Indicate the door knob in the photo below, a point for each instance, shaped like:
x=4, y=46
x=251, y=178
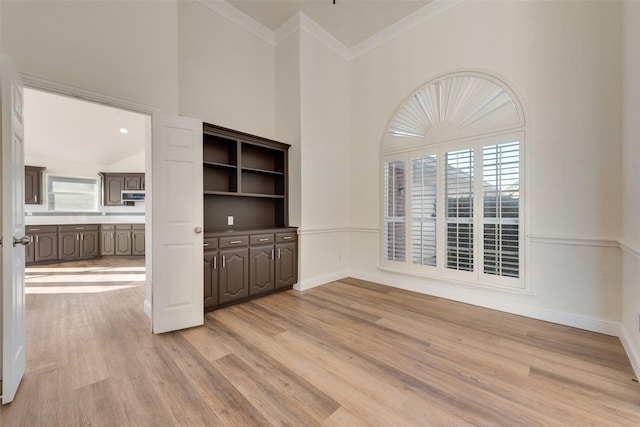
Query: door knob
x=24, y=241
x=198, y=230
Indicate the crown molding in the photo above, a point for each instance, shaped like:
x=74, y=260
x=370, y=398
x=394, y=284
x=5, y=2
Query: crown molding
x=323, y=36
x=300, y=21
x=241, y=19
x=420, y=16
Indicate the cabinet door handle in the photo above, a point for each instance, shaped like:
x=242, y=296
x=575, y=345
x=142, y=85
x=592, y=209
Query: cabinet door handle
x=287, y=238
x=279, y=253
x=77, y=236
x=215, y=262
x=223, y=261
x=81, y=236
x=37, y=238
x=34, y=229
x=35, y=198
x=79, y=228
x=264, y=239
x=235, y=242
x=205, y=244
x=271, y=253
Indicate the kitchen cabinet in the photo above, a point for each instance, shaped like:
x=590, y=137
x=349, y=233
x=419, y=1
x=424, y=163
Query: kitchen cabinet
x=261, y=266
x=33, y=185
x=114, y=183
x=44, y=243
x=78, y=241
x=233, y=278
x=129, y=240
x=138, y=240
x=107, y=240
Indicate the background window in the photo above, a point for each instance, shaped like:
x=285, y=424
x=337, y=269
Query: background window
x=72, y=194
x=459, y=209
x=423, y=210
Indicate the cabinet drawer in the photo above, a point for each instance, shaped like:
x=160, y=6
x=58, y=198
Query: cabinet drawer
x=231, y=242
x=107, y=227
x=210, y=243
x=40, y=229
x=79, y=227
x=137, y=226
x=261, y=239
x=285, y=237
x=123, y=226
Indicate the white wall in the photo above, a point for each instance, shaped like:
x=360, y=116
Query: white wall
x=325, y=185
x=288, y=117
x=631, y=183
x=227, y=75
x=564, y=60
x=122, y=49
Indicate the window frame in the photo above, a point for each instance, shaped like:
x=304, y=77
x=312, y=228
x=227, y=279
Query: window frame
x=48, y=178
x=477, y=277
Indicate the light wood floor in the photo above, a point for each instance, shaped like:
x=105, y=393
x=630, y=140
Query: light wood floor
x=350, y=353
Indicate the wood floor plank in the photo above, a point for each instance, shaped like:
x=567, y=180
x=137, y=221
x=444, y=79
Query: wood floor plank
x=348, y=353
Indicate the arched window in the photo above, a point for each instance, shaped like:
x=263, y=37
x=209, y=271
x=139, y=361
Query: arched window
x=452, y=162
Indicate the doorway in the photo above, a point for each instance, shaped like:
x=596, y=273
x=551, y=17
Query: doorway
x=77, y=152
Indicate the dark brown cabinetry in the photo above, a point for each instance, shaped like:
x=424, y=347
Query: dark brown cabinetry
x=245, y=194
x=114, y=183
x=244, y=265
x=78, y=241
x=44, y=243
x=51, y=243
x=107, y=240
x=33, y=185
x=210, y=273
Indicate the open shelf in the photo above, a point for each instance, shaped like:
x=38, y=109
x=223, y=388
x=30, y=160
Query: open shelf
x=244, y=176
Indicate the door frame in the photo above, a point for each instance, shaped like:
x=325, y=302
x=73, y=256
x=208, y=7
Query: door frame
x=33, y=82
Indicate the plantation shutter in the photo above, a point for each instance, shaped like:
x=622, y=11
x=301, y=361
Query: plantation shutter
x=394, y=212
x=501, y=201
x=423, y=210
x=459, y=209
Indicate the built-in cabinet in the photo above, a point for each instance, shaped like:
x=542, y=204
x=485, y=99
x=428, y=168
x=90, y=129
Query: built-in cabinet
x=44, y=243
x=54, y=243
x=243, y=265
x=249, y=250
x=113, y=184
x=33, y=185
x=78, y=241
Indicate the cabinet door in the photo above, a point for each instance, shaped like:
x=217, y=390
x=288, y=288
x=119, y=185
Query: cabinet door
x=123, y=242
x=69, y=245
x=132, y=182
x=210, y=279
x=33, y=185
x=112, y=187
x=286, y=264
x=137, y=243
x=260, y=269
x=29, y=250
x=107, y=243
x=46, y=247
x=234, y=274
x=89, y=246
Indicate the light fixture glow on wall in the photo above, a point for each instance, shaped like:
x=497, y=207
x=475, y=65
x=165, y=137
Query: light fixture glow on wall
x=123, y=130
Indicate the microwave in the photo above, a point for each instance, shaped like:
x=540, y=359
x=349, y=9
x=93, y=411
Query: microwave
x=132, y=196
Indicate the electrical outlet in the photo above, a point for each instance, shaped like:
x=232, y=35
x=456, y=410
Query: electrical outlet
x=230, y=220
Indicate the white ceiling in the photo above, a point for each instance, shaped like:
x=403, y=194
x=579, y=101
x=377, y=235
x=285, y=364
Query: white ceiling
x=349, y=21
x=62, y=128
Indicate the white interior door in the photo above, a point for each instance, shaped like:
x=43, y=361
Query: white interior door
x=13, y=238
x=177, y=299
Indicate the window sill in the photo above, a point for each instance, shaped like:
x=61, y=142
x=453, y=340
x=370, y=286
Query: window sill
x=436, y=279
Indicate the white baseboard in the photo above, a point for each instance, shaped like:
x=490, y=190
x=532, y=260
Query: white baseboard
x=320, y=280
x=631, y=350
x=467, y=296
x=147, y=308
